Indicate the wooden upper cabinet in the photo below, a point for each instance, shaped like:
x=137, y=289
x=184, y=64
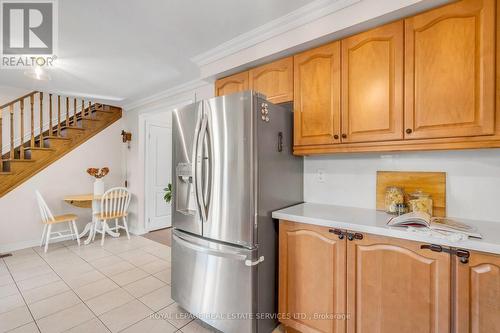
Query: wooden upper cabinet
x=231, y=84
x=394, y=286
x=477, y=294
x=311, y=278
x=317, y=96
x=275, y=80
x=450, y=71
x=372, y=85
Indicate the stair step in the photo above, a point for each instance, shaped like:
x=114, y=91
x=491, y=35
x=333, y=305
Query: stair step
x=16, y=166
x=103, y=114
x=37, y=153
x=5, y=173
x=54, y=142
x=90, y=123
x=72, y=132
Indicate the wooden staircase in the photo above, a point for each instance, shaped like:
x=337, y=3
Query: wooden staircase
x=71, y=122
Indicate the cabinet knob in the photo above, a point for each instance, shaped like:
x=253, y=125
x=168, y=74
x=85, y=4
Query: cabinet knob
x=344, y=136
x=409, y=130
x=336, y=136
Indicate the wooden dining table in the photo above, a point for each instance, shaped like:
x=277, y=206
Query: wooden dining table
x=92, y=201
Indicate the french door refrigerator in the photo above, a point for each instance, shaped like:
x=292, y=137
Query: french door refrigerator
x=232, y=166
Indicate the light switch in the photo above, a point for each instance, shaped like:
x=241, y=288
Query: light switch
x=320, y=175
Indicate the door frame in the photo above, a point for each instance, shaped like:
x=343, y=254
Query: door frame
x=147, y=124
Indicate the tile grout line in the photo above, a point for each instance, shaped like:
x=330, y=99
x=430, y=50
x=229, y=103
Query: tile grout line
x=76, y=295
x=88, y=262
x=24, y=300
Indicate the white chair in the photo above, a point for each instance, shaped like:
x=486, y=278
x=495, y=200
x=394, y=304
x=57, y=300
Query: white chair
x=114, y=206
x=48, y=220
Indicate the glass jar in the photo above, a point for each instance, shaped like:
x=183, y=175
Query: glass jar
x=420, y=201
x=393, y=196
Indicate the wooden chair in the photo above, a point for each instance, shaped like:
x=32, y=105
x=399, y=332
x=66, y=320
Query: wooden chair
x=114, y=206
x=48, y=220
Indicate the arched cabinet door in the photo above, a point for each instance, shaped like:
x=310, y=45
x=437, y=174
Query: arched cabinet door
x=450, y=71
x=231, y=84
x=274, y=80
x=311, y=278
x=394, y=286
x=477, y=294
x=372, y=85
x=317, y=96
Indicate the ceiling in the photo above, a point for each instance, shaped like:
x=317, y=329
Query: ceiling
x=124, y=50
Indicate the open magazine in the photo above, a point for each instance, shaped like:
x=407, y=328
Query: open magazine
x=421, y=219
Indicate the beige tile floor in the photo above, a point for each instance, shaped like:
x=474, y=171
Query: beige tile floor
x=121, y=287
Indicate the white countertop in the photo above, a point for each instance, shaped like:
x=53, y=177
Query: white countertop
x=374, y=222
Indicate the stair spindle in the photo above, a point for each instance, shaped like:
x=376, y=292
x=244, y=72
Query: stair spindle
x=51, y=129
x=58, y=115
x=21, y=148
x=88, y=110
x=32, y=102
x=83, y=109
x=11, y=112
x=74, y=113
x=67, y=112
x=41, y=120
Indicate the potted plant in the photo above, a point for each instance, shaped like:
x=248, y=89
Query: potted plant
x=168, y=193
x=98, y=174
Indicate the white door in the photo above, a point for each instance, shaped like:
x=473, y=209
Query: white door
x=158, y=175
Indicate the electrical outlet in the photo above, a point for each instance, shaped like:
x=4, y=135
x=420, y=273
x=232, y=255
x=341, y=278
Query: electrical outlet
x=320, y=175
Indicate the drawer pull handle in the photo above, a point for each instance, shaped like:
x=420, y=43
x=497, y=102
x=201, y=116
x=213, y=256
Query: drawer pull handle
x=464, y=255
x=337, y=232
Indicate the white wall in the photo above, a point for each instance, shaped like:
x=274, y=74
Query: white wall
x=135, y=117
x=20, y=225
x=473, y=179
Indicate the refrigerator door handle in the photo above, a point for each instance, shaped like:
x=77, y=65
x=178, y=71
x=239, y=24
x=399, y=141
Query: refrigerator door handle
x=254, y=263
x=199, y=168
x=207, y=162
x=213, y=252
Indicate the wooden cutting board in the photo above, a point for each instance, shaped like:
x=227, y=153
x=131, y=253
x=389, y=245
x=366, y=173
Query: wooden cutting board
x=433, y=183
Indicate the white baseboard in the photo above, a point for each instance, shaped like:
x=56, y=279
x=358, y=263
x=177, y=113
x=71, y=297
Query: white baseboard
x=137, y=231
x=11, y=247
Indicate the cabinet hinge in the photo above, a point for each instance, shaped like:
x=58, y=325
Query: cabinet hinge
x=461, y=253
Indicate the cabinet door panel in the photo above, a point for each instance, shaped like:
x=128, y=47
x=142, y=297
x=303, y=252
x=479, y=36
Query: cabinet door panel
x=317, y=96
x=450, y=71
x=231, y=84
x=275, y=80
x=311, y=277
x=393, y=286
x=372, y=85
x=477, y=294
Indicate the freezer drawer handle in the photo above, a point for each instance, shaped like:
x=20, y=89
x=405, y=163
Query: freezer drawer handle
x=251, y=263
x=213, y=252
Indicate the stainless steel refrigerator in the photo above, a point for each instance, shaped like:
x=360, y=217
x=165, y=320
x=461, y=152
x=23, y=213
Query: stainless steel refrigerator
x=232, y=166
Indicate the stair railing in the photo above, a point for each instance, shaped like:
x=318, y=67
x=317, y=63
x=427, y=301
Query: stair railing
x=13, y=114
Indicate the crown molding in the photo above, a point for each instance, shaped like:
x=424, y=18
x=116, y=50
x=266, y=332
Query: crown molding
x=299, y=17
x=166, y=94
